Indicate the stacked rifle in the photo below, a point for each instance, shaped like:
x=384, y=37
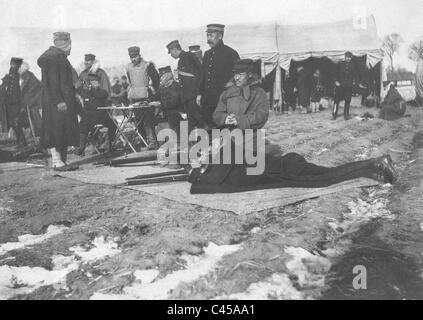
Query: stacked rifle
x=146, y=158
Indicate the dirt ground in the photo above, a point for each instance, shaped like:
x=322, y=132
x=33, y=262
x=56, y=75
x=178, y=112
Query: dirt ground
x=118, y=243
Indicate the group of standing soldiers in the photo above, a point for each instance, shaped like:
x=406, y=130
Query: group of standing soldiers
x=65, y=94
x=310, y=89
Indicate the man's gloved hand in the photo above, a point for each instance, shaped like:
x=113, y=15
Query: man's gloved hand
x=62, y=107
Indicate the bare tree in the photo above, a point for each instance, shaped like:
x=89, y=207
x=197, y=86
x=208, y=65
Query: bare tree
x=415, y=51
x=391, y=44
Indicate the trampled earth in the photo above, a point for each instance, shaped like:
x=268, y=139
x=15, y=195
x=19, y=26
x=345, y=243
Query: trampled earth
x=62, y=239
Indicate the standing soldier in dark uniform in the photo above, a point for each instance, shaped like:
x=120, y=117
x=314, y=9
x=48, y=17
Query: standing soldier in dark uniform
x=345, y=77
x=218, y=64
x=189, y=73
x=140, y=73
x=59, y=118
x=11, y=93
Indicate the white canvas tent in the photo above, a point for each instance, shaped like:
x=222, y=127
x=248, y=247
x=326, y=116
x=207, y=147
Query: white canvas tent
x=276, y=44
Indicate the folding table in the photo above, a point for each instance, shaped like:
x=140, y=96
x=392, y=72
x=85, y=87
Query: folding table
x=128, y=115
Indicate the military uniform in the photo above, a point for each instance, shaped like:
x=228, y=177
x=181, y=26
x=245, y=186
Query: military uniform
x=171, y=100
x=218, y=63
x=189, y=72
x=139, y=77
x=94, y=99
x=346, y=75
x=15, y=114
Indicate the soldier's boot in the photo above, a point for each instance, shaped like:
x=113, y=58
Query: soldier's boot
x=64, y=154
x=347, y=112
x=151, y=138
x=80, y=151
x=335, y=111
x=56, y=161
x=385, y=170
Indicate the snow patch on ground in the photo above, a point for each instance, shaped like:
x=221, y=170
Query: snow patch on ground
x=306, y=270
x=361, y=211
x=146, y=276
x=24, y=280
x=30, y=240
x=101, y=248
x=278, y=287
x=309, y=269
x=160, y=289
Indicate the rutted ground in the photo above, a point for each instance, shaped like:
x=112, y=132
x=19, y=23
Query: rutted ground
x=118, y=243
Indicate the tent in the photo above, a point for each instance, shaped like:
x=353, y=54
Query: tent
x=277, y=45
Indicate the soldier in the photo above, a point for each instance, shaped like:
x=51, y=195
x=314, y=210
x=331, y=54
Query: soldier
x=94, y=97
x=117, y=92
x=140, y=73
x=189, y=73
x=11, y=96
x=196, y=49
x=246, y=106
x=243, y=105
x=346, y=76
x=171, y=101
x=125, y=87
x=218, y=63
x=92, y=65
x=59, y=118
x=31, y=89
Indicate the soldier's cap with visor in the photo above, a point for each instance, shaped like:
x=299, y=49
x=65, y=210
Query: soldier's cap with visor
x=89, y=57
x=194, y=48
x=93, y=77
x=16, y=60
x=215, y=27
x=133, y=51
x=348, y=54
x=172, y=45
x=243, y=65
x=164, y=70
x=61, y=36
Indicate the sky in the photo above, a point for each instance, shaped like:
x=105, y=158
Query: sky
x=404, y=17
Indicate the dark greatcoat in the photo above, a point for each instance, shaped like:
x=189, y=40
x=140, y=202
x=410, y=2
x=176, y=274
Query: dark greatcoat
x=11, y=98
x=31, y=89
x=218, y=63
x=59, y=130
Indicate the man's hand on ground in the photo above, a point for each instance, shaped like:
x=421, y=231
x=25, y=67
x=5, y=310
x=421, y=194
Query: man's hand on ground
x=337, y=83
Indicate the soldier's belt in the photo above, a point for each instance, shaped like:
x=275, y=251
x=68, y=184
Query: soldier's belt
x=186, y=74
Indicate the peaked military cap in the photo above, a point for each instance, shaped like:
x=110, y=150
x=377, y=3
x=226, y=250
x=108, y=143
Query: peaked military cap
x=133, y=51
x=61, y=36
x=243, y=65
x=172, y=45
x=16, y=60
x=215, y=27
x=89, y=57
x=348, y=54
